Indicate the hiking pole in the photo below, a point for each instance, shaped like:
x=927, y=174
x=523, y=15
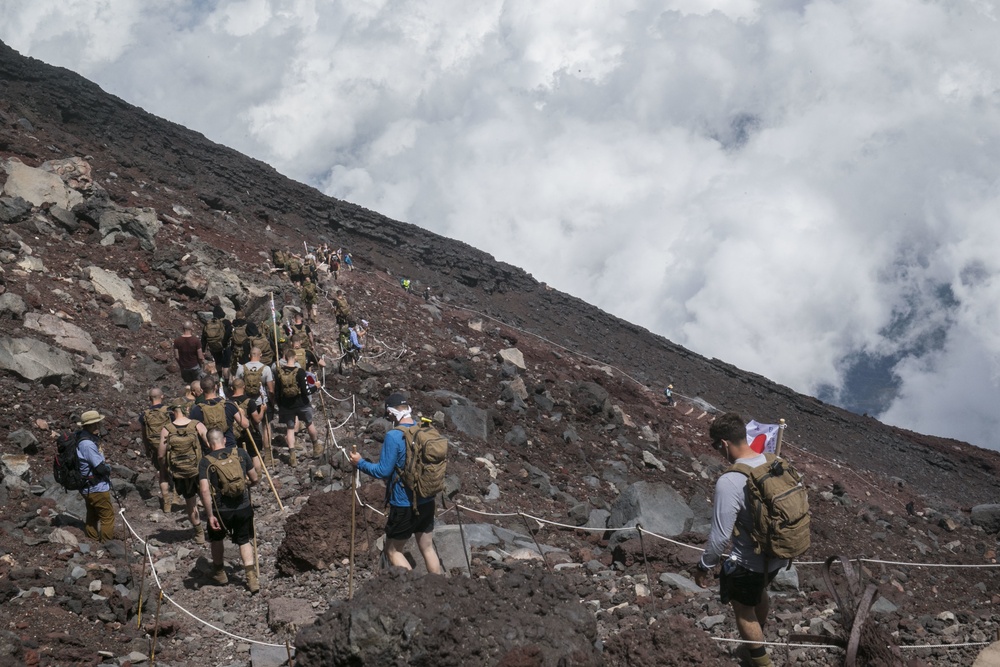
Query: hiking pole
x=142, y=582
x=354, y=506
x=264, y=466
x=156, y=630
x=461, y=531
x=781, y=430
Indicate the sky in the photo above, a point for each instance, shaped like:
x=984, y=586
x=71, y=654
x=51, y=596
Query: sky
x=805, y=189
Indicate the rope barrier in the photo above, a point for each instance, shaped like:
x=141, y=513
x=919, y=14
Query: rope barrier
x=168, y=598
x=733, y=640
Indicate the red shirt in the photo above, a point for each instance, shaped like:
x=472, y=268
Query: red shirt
x=187, y=348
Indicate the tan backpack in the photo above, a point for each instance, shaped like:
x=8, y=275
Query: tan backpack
x=183, y=450
x=779, y=507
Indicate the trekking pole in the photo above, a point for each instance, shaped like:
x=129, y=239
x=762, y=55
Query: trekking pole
x=461, y=531
x=264, y=466
x=142, y=582
x=288, y=650
x=156, y=630
x=354, y=506
x=781, y=430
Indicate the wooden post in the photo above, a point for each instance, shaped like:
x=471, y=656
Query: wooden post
x=781, y=431
x=156, y=630
x=354, y=505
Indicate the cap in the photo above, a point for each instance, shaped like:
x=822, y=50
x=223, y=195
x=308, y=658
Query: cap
x=364, y=323
x=395, y=400
x=91, y=417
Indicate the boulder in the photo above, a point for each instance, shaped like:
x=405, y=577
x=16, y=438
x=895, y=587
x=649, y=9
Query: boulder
x=65, y=219
x=74, y=172
x=108, y=282
x=472, y=421
x=34, y=360
x=657, y=506
x=514, y=390
x=289, y=614
x=123, y=317
x=141, y=223
x=66, y=335
x=523, y=616
x=591, y=398
x=38, y=186
x=31, y=263
x=516, y=436
x=987, y=517
x=13, y=209
x=450, y=548
x=512, y=355
x=24, y=440
x=12, y=305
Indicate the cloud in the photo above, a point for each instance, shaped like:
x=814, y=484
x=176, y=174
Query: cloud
x=787, y=186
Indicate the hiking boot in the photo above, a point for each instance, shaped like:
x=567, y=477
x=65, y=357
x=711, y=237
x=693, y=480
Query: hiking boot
x=219, y=574
x=253, y=584
x=199, y=533
x=742, y=654
x=318, y=449
x=292, y=460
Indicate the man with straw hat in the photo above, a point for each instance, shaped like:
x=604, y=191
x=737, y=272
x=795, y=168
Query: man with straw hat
x=100, y=521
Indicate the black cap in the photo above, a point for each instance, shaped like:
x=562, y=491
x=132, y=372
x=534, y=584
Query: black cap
x=395, y=400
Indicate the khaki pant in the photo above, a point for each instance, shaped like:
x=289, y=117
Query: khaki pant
x=100, y=516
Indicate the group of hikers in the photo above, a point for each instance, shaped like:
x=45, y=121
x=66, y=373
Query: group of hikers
x=211, y=443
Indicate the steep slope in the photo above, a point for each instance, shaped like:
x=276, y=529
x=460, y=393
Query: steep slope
x=582, y=433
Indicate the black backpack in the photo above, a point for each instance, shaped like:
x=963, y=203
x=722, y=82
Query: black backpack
x=66, y=464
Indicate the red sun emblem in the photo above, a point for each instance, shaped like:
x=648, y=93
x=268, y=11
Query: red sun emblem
x=758, y=443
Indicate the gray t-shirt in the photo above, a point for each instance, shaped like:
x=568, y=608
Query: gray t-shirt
x=730, y=503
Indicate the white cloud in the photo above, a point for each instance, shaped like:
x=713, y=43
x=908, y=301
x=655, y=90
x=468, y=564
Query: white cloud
x=781, y=185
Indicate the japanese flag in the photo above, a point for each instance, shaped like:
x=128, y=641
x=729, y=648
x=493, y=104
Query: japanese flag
x=762, y=437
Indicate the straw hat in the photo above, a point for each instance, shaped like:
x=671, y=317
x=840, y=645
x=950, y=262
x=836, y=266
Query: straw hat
x=91, y=417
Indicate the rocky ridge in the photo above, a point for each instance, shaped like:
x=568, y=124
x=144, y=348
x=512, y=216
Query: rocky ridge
x=116, y=226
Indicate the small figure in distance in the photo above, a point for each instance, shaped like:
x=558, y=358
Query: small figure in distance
x=669, y=393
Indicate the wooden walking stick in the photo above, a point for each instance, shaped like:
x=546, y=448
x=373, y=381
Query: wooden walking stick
x=156, y=630
x=264, y=466
x=142, y=581
x=354, y=505
x=781, y=430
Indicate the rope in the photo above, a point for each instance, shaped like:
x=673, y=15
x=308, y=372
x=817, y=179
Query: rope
x=169, y=599
x=794, y=645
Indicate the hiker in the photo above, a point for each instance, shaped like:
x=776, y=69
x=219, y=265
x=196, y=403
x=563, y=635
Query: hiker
x=669, y=393
x=254, y=409
x=404, y=521
x=355, y=342
x=405, y=284
x=292, y=395
x=308, y=298
x=100, y=521
x=179, y=454
x=427, y=294
x=216, y=336
x=188, y=354
x=295, y=270
x=236, y=341
x=302, y=329
x=255, y=339
x=151, y=421
x=342, y=307
x=306, y=359
x=335, y=266
x=743, y=582
x=258, y=378
x=225, y=476
x=348, y=262
x=216, y=412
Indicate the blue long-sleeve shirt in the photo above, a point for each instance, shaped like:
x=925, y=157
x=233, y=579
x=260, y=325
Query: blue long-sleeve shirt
x=393, y=455
x=91, y=457
x=355, y=341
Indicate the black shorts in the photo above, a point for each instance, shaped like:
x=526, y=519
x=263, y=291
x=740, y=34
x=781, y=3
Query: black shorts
x=404, y=522
x=191, y=374
x=742, y=585
x=238, y=525
x=186, y=488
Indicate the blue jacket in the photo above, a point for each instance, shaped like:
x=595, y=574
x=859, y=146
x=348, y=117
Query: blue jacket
x=90, y=458
x=393, y=455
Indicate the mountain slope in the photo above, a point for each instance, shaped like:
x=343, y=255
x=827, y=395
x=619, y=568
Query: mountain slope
x=221, y=210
